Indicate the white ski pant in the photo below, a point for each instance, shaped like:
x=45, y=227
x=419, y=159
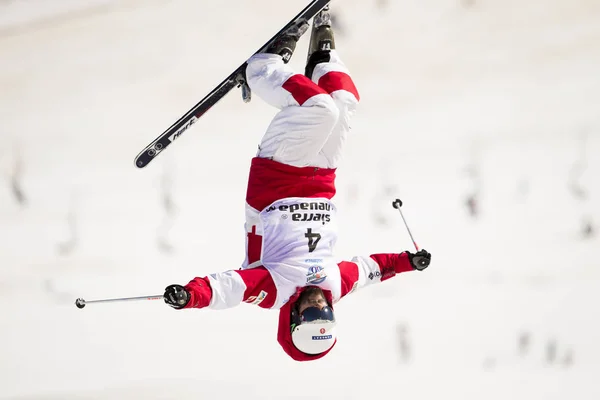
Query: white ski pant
x=314, y=118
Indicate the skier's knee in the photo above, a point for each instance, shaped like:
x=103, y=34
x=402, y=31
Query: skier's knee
x=327, y=110
x=346, y=99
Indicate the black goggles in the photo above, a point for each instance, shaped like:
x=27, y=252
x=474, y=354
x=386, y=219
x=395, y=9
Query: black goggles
x=315, y=313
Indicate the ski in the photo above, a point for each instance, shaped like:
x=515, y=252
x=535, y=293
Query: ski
x=235, y=79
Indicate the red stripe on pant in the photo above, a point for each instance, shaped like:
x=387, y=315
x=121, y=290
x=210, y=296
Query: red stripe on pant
x=334, y=80
x=302, y=88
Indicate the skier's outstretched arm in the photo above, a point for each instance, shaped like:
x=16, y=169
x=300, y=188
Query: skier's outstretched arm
x=224, y=290
x=366, y=270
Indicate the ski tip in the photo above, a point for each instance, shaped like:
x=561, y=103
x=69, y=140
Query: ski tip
x=139, y=163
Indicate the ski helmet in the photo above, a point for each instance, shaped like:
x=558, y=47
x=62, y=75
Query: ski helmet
x=313, y=330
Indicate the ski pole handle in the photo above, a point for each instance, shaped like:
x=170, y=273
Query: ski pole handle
x=80, y=303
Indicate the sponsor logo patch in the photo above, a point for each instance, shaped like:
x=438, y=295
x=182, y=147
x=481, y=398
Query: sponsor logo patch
x=374, y=275
x=322, y=337
x=257, y=299
x=316, y=274
x=305, y=211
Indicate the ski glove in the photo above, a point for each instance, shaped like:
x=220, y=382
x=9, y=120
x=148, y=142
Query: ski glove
x=420, y=260
x=176, y=296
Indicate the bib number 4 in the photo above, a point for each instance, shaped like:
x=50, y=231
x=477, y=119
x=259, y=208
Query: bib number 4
x=313, y=239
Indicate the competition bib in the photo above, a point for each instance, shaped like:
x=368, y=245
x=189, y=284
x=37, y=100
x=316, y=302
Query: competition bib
x=299, y=236
x=298, y=229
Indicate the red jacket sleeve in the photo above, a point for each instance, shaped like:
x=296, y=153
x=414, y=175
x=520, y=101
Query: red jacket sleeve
x=364, y=271
x=230, y=288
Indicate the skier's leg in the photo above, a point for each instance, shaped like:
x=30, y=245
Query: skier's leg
x=295, y=137
x=308, y=114
x=325, y=68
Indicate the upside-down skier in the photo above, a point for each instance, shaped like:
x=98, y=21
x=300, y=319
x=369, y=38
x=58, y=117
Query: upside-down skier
x=290, y=219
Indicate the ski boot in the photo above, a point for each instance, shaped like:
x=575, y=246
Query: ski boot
x=284, y=46
x=321, y=41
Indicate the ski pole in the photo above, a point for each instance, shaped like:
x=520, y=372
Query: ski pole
x=80, y=303
x=397, y=204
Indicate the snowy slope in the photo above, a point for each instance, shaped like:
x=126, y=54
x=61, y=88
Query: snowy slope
x=500, y=98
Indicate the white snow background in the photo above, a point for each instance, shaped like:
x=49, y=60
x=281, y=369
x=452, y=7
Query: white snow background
x=496, y=98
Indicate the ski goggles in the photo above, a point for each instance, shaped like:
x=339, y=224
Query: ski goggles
x=315, y=313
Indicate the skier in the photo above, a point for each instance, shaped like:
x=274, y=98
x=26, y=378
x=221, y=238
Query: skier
x=290, y=219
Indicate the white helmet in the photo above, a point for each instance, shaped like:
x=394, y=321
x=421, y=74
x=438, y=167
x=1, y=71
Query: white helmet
x=314, y=330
